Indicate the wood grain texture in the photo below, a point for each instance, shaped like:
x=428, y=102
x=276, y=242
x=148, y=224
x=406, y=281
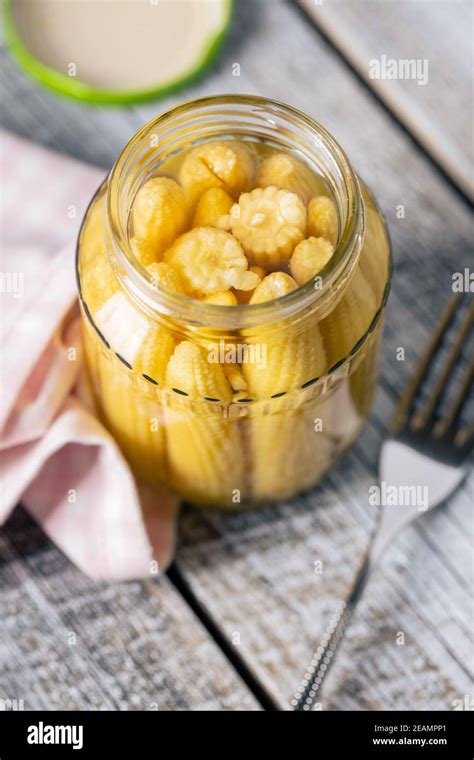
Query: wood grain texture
x=255, y=573
x=438, y=113
x=68, y=643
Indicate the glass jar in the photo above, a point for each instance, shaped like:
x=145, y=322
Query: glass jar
x=315, y=349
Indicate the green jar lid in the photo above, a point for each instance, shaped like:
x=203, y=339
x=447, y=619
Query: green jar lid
x=115, y=51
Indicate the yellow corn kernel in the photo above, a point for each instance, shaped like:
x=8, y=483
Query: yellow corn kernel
x=213, y=209
x=210, y=260
x=226, y=165
x=165, y=276
x=310, y=257
x=289, y=173
x=204, y=450
x=274, y=285
x=268, y=223
x=222, y=298
x=322, y=219
x=159, y=213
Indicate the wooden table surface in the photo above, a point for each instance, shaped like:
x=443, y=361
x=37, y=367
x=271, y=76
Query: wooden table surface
x=233, y=624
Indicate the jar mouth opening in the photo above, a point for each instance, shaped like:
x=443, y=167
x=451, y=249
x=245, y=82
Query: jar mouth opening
x=230, y=117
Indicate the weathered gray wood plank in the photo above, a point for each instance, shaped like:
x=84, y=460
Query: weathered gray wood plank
x=438, y=35
x=255, y=572
x=67, y=643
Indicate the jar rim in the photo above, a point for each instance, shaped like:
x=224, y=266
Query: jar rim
x=138, y=281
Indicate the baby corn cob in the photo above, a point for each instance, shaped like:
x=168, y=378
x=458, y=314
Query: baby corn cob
x=226, y=165
x=154, y=353
x=135, y=420
x=233, y=373
x=213, y=209
x=98, y=280
x=310, y=257
x=204, y=450
x=268, y=223
x=166, y=277
x=287, y=450
x=273, y=286
x=288, y=363
x=350, y=320
x=159, y=215
x=286, y=453
x=244, y=296
x=288, y=173
x=210, y=260
x=145, y=253
x=322, y=219
x=222, y=298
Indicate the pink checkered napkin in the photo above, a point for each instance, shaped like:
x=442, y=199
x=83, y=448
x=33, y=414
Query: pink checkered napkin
x=54, y=454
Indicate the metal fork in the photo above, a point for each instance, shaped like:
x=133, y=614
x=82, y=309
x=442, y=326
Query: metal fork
x=422, y=450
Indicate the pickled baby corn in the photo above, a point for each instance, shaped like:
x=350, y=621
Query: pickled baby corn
x=310, y=257
x=260, y=228
x=165, y=276
x=234, y=375
x=322, y=219
x=273, y=286
x=222, y=298
x=210, y=260
x=159, y=215
x=284, y=447
x=98, y=280
x=289, y=363
x=204, y=450
x=283, y=450
x=287, y=452
x=350, y=320
x=244, y=296
x=289, y=173
x=135, y=420
x=225, y=165
x=213, y=209
x=268, y=223
x=145, y=253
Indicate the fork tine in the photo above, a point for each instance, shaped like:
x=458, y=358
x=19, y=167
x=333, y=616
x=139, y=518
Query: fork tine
x=406, y=402
x=425, y=415
x=457, y=404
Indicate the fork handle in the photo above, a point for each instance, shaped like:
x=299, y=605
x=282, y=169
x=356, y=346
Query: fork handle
x=323, y=658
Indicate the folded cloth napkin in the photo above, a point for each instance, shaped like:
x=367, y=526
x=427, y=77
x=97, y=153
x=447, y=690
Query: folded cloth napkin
x=55, y=455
